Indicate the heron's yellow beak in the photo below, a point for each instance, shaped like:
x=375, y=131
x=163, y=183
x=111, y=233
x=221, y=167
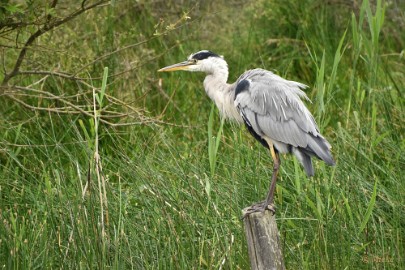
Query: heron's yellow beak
x=179, y=66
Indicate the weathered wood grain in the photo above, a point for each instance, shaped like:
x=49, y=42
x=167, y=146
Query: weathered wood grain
x=263, y=241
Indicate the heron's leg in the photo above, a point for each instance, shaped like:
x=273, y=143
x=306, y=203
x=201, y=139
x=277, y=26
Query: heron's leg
x=276, y=166
x=268, y=203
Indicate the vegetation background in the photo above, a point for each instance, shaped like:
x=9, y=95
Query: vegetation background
x=105, y=163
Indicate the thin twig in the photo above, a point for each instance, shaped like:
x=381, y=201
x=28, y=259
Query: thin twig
x=41, y=145
x=57, y=74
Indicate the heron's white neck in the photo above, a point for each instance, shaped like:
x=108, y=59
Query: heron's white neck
x=217, y=88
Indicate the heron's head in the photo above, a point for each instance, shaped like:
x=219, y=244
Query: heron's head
x=205, y=61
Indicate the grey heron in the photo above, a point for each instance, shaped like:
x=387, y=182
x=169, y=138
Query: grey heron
x=270, y=107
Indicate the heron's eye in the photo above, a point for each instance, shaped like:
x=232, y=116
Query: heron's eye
x=194, y=61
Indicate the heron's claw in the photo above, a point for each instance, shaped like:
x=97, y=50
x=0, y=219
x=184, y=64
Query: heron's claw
x=259, y=207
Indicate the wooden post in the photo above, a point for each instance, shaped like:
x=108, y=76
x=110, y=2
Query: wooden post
x=263, y=241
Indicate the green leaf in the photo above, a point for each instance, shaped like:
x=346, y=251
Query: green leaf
x=370, y=208
x=100, y=96
x=213, y=141
x=13, y=8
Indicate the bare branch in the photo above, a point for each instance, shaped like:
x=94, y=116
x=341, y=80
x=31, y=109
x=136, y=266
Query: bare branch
x=113, y=52
x=51, y=73
x=49, y=25
x=143, y=120
x=71, y=108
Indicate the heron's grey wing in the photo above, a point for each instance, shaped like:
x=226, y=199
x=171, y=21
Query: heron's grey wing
x=272, y=106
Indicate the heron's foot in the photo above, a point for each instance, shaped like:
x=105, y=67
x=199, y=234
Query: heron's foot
x=260, y=207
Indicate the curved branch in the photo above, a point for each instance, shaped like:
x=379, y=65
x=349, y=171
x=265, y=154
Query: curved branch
x=49, y=25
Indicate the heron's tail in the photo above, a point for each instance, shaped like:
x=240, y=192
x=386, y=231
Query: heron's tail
x=318, y=147
x=305, y=160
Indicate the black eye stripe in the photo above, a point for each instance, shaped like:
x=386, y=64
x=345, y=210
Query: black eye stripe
x=204, y=55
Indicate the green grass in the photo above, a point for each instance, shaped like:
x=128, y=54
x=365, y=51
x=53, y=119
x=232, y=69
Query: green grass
x=175, y=183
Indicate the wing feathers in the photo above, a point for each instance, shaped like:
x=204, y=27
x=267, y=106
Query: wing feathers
x=273, y=108
x=321, y=148
x=284, y=131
